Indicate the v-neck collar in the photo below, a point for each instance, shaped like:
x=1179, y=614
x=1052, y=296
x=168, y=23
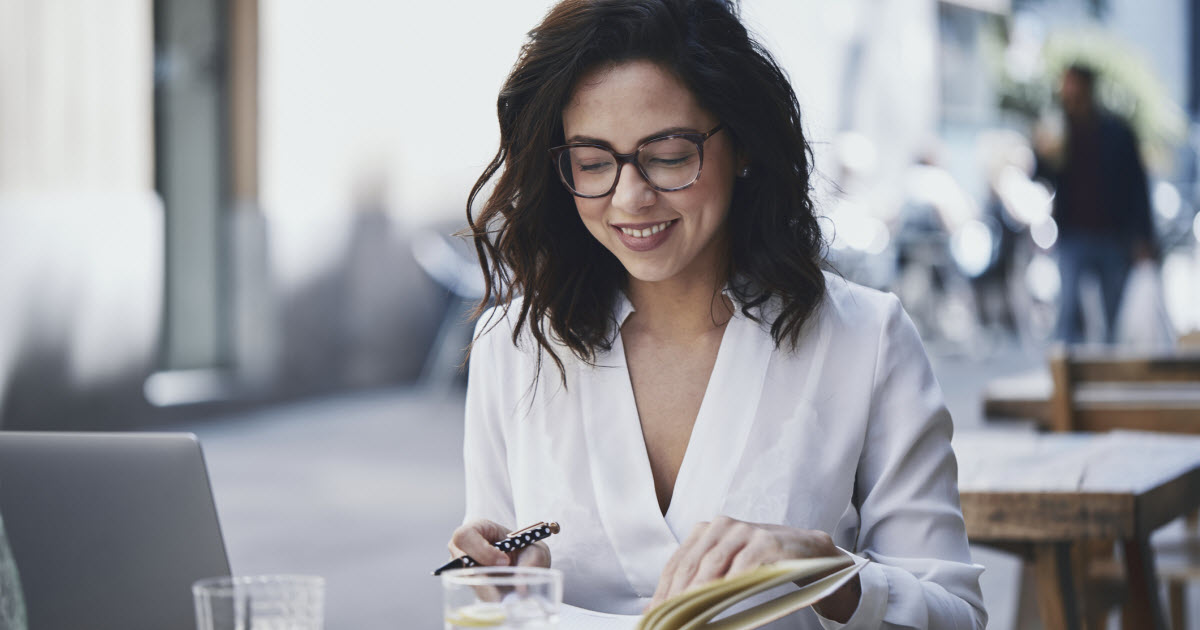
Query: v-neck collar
x=642, y=536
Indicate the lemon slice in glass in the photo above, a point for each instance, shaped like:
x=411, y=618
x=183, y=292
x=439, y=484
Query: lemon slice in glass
x=477, y=616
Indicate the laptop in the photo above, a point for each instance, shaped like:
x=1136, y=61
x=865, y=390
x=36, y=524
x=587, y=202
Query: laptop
x=109, y=530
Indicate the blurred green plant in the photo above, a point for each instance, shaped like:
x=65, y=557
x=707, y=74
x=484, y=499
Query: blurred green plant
x=1126, y=85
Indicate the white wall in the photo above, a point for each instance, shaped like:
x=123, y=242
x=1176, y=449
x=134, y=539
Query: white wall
x=76, y=99
x=361, y=91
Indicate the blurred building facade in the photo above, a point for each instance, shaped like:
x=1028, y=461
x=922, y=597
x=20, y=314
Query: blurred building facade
x=225, y=200
x=81, y=272
x=137, y=275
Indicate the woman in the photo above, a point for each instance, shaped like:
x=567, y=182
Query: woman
x=712, y=400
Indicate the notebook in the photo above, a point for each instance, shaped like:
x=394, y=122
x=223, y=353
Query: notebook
x=700, y=608
x=109, y=530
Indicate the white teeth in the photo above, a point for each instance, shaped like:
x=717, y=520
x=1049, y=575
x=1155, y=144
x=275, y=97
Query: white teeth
x=654, y=229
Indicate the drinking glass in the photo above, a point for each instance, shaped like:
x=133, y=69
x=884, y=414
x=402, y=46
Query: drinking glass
x=502, y=598
x=260, y=602
x=12, y=605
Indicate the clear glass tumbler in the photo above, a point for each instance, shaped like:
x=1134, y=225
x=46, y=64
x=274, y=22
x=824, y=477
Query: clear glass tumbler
x=12, y=605
x=503, y=598
x=260, y=602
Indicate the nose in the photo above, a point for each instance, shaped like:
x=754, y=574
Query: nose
x=633, y=193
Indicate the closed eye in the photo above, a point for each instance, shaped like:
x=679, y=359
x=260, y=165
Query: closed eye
x=594, y=167
x=670, y=161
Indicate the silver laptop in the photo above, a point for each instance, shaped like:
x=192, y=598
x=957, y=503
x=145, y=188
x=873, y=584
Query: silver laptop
x=109, y=530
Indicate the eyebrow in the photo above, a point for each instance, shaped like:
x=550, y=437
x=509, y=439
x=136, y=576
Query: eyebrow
x=578, y=139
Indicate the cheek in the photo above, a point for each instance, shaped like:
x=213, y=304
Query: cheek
x=717, y=180
x=591, y=213
x=715, y=199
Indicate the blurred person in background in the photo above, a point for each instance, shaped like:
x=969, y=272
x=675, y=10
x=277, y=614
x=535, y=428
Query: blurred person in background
x=651, y=208
x=1101, y=202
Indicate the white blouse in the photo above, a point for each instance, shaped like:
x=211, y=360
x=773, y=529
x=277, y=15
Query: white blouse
x=847, y=434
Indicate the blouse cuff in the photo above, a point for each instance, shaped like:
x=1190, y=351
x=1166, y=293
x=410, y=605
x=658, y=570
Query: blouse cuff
x=872, y=603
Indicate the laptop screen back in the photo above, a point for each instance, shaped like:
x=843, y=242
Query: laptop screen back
x=109, y=530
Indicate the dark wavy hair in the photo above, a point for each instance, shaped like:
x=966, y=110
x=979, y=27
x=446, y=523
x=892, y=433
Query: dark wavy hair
x=528, y=235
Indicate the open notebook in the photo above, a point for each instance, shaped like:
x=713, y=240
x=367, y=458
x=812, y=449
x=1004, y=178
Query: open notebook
x=697, y=608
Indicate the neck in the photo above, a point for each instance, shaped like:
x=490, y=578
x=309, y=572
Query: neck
x=680, y=307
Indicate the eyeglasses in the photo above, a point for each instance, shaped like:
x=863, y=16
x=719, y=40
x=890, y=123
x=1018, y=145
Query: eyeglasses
x=668, y=163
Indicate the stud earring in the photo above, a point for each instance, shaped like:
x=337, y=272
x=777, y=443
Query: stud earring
x=745, y=172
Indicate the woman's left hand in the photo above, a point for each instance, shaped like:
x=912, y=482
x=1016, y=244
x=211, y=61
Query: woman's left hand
x=728, y=546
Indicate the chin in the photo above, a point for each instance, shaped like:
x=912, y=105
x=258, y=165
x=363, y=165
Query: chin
x=647, y=273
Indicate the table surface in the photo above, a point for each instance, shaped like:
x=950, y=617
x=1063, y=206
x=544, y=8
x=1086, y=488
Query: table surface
x=1035, y=487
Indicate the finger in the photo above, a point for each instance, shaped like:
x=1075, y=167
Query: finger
x=712, y=553
x=535, y=555
x=691, y=555
x=716, y=562
x=475, y=539
x=760, y=549
x=490, y=531
x=668, y=572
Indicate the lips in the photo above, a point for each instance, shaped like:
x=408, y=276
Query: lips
x=642, y=237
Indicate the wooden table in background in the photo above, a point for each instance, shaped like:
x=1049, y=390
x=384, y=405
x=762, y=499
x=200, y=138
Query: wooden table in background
x=1045, y=494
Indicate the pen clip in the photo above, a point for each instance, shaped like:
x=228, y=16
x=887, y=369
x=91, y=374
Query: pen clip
x=536, y=526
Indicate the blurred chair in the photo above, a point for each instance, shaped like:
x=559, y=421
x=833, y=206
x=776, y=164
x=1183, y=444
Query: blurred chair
x=451, y=263
x=1101, y=390
x=1105, y=390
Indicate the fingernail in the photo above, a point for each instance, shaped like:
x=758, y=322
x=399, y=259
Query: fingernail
x=503, y=561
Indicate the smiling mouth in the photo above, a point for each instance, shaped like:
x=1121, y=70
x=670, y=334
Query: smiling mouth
x=648, y=231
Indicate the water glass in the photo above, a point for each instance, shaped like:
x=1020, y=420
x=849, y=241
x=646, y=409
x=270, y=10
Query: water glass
x=502, y=598
x=260, y=602
x=12, y=605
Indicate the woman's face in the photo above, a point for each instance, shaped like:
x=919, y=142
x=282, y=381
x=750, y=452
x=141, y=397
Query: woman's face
x=623, y=106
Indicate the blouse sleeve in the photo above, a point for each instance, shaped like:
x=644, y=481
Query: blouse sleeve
x=488, y=490
x=906, y=492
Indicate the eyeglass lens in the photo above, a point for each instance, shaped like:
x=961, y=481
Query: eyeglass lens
x=667, y=163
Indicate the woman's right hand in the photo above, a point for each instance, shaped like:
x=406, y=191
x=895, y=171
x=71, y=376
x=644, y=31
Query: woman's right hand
x=475, y=539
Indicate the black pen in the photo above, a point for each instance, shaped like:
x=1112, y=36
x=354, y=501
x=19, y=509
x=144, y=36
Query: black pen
x=516, y=540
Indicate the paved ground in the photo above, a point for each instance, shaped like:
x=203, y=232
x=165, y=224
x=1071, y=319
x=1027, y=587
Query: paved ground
x=364, y=488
